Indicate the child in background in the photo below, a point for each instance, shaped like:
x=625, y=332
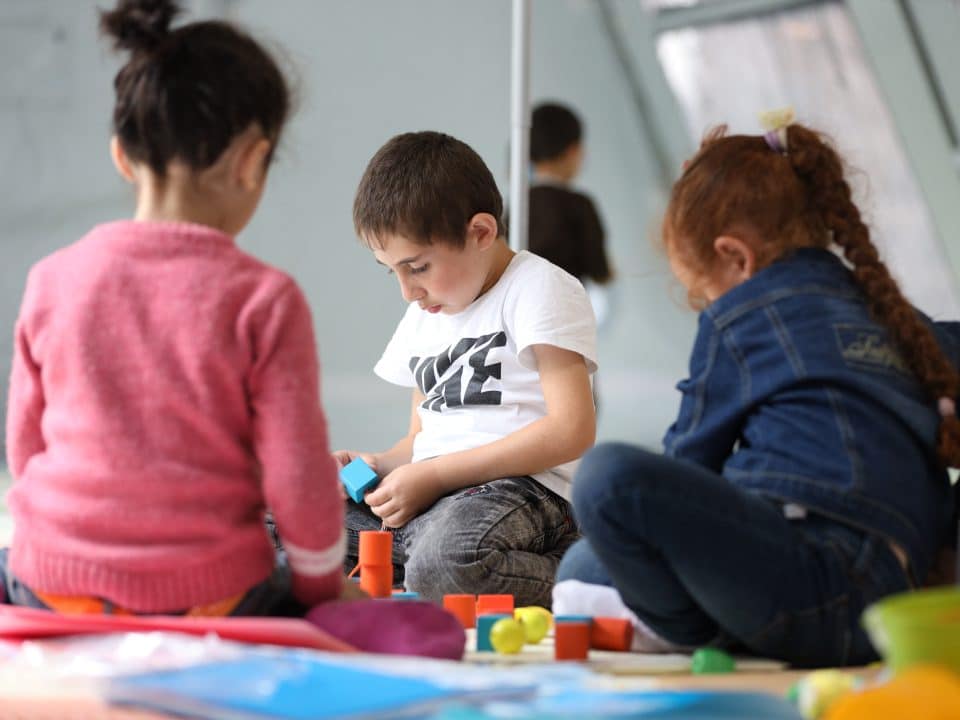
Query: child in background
x=164, y=389
x=498, y=347
x=564, y=226
x=804, y=477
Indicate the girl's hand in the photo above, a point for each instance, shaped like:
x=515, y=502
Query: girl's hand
x=404, y=493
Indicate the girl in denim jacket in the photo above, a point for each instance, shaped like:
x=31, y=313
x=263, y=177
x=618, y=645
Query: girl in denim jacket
x=804, y=477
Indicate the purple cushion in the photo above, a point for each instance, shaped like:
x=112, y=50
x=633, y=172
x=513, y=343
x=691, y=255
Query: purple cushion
x=392, y=627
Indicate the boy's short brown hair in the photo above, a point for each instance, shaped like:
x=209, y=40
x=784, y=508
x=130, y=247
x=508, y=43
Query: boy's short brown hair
x=425, y=186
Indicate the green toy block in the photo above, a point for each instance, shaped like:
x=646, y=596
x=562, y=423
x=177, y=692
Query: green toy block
x=710, y=660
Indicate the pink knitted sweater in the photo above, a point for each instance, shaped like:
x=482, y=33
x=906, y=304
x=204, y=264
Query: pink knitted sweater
x=164, y=391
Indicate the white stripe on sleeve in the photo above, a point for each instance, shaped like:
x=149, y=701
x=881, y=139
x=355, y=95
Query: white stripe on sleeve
x=313, y=563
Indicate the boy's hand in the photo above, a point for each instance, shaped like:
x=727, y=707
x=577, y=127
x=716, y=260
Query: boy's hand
x=345, y=457
x=404, y=494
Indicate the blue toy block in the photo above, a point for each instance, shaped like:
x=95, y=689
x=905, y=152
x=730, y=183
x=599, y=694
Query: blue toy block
x=358, y=477
x=588, y=619
x=484, y=623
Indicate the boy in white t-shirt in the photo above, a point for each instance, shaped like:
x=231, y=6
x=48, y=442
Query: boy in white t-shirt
x=498, y=347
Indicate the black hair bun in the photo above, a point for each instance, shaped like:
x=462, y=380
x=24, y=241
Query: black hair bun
x=138, y=25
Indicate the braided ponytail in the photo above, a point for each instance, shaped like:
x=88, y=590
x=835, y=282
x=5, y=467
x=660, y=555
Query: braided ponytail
x=819, y=166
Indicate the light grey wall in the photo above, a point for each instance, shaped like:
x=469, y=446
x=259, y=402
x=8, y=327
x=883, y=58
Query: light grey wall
x=367, y=69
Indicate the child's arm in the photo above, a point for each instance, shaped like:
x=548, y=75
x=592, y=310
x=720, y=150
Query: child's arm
x=715, y=401
x=563, y=434
x=299, y=475
x=24, y=406
x=26, y=401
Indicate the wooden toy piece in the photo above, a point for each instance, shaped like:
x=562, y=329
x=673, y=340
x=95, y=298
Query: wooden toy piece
x=819, y=690
x=376, y=562
x=536, y=622
x=484, y=624
x=404, y=595
x=557, y=619
x=571, y=640
x=707, y=660
x=611, y=634
x=507, y=636
x=358, y=477
x=464, y=607
x=494, y=604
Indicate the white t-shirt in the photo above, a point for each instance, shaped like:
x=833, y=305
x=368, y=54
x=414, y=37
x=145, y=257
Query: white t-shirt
x=477, y=368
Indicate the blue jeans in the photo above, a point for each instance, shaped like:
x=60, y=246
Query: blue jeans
x=505, y=536
x=703, y=561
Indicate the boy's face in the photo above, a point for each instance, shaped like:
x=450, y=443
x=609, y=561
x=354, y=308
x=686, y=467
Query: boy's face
x=440, y=277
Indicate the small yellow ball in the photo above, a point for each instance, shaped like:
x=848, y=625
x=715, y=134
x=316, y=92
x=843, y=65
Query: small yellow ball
x=536, y=622
x=820, y=689
x=507, y=636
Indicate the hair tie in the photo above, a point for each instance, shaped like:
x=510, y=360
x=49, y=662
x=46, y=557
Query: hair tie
x=775, y=122
x=947, y=407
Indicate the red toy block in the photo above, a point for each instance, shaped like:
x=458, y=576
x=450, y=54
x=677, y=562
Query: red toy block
x=571, y=641
x=490, y=604
x=464, y=607
x=376, y=562
x=611, y=634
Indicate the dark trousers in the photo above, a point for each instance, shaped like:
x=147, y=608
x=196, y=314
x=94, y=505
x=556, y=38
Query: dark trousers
x=703, y=561
x=503, y=537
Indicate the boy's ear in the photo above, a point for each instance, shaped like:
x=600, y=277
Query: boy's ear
x=483, y=227
x=737, y=257
x=120, y=160
x=251, y=164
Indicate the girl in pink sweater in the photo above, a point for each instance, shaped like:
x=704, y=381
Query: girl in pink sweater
x=165, y=385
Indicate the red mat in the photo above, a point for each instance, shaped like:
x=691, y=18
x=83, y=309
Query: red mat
x=23, y=623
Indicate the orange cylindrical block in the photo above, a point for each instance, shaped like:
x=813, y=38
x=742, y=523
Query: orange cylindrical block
x=377, y=580
x=464, y=607
x=491, y=604
x=376, y=547
x=571, y=641
x=376, y=562
x=611, y=634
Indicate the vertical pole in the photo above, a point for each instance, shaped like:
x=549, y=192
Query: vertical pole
x=519, y=123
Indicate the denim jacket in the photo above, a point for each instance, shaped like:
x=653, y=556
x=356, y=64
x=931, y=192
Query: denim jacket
x=796, y=393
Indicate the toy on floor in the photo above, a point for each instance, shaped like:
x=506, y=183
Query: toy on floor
x=706, y=661
x=931, y=692
x=376, y=563
x=611, y=634
x=494, y=604
x=507, y=636
x=358, y=478
x=464, y=607
x=571, y=640
x=816, y=692
x=536, y=622
x=485, y=624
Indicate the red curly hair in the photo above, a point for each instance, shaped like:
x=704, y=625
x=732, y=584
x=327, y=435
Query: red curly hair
x=777, y=202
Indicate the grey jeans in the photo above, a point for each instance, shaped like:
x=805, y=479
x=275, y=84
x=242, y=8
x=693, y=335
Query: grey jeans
x=505, y=536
